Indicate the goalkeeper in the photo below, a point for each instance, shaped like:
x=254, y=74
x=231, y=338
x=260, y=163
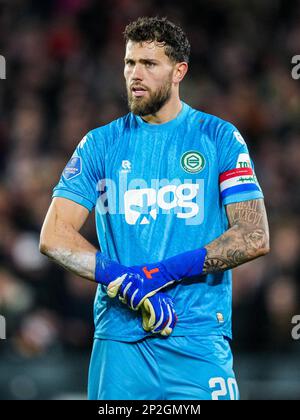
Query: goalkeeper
x=177, y=206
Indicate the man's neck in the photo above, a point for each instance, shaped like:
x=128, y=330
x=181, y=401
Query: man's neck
x=167, y=113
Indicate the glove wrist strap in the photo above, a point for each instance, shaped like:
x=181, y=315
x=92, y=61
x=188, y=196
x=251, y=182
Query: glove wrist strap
x=187, y=264
x=106, y=270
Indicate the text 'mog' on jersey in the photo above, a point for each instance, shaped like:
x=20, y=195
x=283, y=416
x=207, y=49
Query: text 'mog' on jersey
x=160, y=190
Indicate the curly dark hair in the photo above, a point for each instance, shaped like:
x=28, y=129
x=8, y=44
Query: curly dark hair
x=177, y=46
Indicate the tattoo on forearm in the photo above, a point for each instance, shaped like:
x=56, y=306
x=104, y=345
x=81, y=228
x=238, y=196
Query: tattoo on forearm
x=245, y=240
x=248, y=212
x=81, y=263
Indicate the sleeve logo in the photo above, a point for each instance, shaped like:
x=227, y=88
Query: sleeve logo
x=243, y=161
x=82, y=143
x=73, y=168
x=239, y=137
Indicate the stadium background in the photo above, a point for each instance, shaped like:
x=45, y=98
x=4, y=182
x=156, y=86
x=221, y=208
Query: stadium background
x=64, y=77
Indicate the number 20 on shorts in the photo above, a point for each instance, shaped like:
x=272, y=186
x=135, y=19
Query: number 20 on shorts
x=224, y=388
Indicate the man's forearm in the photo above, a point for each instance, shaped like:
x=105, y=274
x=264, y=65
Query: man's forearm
x=235, y=247
x=72, y=251
x=247, y=239
x=81, y=263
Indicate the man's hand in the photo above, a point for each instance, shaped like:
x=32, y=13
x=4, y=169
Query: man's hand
x=158, y=314
x=140, y=282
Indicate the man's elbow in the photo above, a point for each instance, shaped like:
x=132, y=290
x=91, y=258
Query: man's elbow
x=258, y=243
x=264, y=248
x=45, y=245
x=263, y=251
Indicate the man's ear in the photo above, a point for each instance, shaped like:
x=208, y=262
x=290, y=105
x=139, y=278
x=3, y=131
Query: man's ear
x=180, y=71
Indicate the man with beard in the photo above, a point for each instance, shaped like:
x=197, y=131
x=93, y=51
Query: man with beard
x=177, y=206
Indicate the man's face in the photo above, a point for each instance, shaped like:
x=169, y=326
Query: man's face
x=149, y=74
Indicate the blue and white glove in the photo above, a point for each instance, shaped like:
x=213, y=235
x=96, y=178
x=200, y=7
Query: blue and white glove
x=158, y=314
x=136, y=283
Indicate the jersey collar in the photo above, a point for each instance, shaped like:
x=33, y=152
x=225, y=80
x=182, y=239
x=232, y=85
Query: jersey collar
x=165, y=126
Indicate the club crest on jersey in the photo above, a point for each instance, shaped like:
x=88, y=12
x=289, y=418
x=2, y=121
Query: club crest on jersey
x=192, y=161
x=73, y=168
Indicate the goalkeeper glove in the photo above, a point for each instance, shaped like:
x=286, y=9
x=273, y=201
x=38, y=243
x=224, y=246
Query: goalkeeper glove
x=140, y=282
x=158, y=314
x=108, y=271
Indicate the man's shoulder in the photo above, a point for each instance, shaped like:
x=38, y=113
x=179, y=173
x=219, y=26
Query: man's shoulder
x=209, y=121
x=112, y=129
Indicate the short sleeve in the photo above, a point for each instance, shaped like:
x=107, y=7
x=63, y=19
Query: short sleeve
x=237, y=178
x=80, y=177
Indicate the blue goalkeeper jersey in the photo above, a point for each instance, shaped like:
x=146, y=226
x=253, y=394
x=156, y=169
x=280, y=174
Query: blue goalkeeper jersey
x=158, y=191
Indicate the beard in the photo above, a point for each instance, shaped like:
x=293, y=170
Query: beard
x=150, y=105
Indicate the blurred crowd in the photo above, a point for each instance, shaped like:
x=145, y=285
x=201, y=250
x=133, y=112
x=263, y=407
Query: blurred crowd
x=64, y=77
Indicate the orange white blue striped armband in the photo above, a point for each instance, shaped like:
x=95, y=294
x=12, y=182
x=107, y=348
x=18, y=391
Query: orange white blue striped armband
x=236, y=181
